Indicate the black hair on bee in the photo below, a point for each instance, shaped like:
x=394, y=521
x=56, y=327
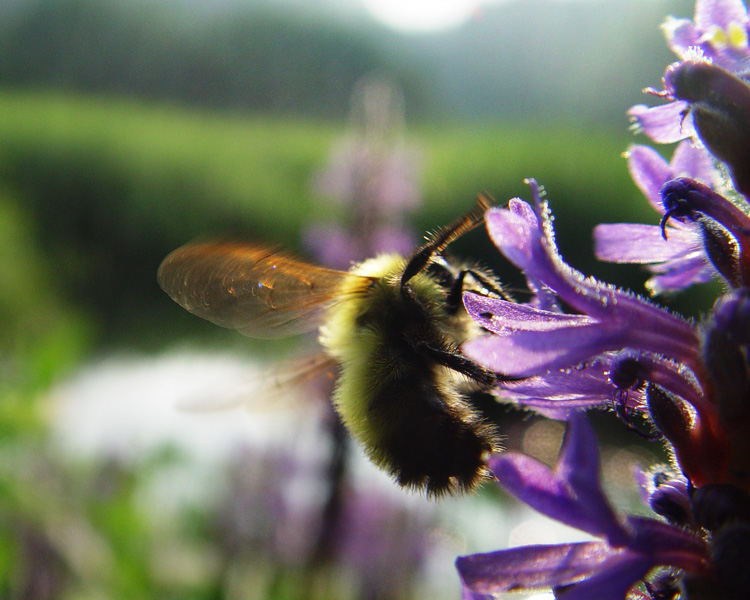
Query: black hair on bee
x=393, y=324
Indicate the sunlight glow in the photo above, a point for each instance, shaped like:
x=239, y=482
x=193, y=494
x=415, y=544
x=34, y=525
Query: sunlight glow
x=422, y=15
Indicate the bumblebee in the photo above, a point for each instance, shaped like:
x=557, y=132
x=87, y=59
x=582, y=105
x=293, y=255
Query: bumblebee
x=392, y=324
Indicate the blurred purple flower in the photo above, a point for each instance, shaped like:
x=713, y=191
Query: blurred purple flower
x=718, y=34
x=371, y=182
x=677, y=255
x=364, y=168
x=380, y=542
x=571, y=493
x=719, y=29
x=384, y=544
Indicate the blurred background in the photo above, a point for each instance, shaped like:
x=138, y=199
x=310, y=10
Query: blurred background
x=129, y=128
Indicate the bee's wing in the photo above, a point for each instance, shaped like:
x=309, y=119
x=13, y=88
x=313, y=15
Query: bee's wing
x=278, y=386
x=259, y=291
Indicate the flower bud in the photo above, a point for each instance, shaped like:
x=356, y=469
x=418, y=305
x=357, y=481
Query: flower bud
x=721, y=248
x=725, y=227
x=698, y=442
x=715, y=505
x=732, y=314
x=727, y=364
x=720, y=106
x=670, y=500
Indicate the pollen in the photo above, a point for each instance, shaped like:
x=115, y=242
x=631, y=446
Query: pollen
x=717, y=37
x=735, y=36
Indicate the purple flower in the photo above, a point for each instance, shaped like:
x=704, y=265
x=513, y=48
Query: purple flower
x=719, y=30
x=529, y=341
x=718, y=34
x=676, y=255
x=707, y=89
x=571, y=493
x=638, y=356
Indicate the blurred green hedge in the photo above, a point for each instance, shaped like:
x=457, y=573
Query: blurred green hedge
x=110, y=186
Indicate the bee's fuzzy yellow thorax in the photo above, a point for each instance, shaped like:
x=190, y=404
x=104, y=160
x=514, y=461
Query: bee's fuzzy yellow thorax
x=336, y=333
x=360, y=343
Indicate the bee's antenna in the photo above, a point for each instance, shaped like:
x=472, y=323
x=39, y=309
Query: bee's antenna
x=444, y=236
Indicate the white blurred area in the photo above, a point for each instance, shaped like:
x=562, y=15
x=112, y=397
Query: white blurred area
x=127, y=407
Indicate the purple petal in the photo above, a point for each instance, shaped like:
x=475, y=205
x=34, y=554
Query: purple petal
x=719, y=13
x=679, y=262
x=614, y=578
x=503, y=317
x=641, y=244
x=680, y=275
x=665, y=123
x=692, y=161
x=535, y=484
x=669, y=545
x=579, y=458
x=578, y=463
x=556, y=393
x=571, y=498
x=650, y=172
x=527, y=353
x=681, y=35
x=514, y=231
x=532, y=566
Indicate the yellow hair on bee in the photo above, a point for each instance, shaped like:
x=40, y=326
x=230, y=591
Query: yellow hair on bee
x=366, y=332
x=394, y=326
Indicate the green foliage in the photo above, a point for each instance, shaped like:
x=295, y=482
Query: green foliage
x=112, y=186
x=246, y=57
x=41, y=335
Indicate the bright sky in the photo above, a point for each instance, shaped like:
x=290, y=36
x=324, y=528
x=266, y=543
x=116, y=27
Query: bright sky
x=422, y=15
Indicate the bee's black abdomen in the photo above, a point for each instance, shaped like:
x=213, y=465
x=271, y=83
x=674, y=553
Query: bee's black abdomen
x=434, y=441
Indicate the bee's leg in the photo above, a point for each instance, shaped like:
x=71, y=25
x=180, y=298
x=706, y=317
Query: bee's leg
x=458, y=362
x=455, y=294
